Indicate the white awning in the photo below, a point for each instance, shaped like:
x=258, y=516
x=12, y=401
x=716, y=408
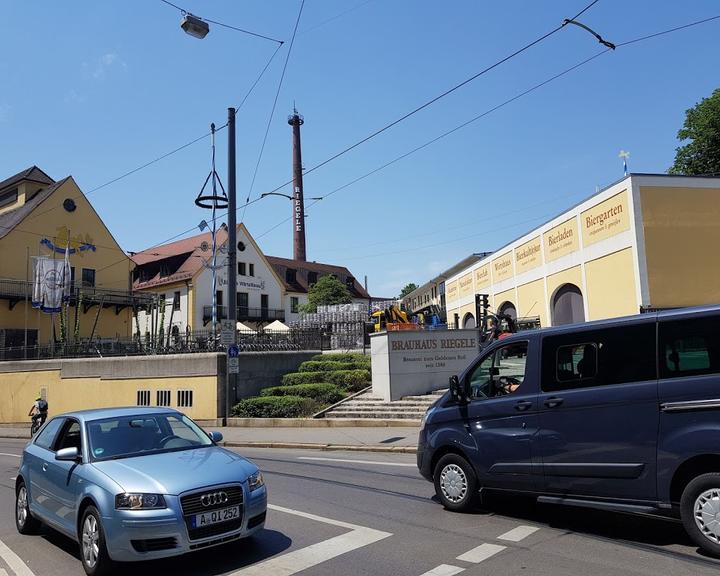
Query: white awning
x=277, y=326
x=245, y=329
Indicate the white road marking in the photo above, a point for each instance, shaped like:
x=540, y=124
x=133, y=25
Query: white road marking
x=14, y=561
x=304, y=558
x=374, y=462
x=14, y=455
x=444, y=570
x=480, y=553
x=519, y=533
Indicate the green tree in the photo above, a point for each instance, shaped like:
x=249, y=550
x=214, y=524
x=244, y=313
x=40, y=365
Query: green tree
x=408, y=288
x=327, y=290
x=702, y=126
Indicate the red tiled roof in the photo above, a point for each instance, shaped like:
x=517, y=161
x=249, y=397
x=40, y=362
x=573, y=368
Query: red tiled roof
x=302, y=268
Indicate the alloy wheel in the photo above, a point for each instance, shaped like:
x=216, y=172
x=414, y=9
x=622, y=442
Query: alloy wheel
x=21, y=506
x=90, y=541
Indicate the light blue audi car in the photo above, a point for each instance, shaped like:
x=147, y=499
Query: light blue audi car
x=136, y=484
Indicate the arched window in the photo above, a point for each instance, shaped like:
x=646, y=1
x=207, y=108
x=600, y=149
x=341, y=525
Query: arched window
x=468, y=321
x=567, y=305
x=508, y=309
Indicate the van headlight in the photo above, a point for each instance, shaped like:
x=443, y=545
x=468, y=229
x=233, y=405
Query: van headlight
x=426, y=416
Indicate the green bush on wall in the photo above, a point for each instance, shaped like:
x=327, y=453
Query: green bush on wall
x=275, y=407
x=326, y=366
x=349, y=380
x=322, y=393
x=354, y=357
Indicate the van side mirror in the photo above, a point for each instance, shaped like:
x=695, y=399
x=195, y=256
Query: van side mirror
x=458, y=392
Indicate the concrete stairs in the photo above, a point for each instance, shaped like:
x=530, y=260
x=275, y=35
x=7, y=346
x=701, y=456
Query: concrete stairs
x=366, y=406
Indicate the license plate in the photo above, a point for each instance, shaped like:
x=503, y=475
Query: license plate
x=215, y=517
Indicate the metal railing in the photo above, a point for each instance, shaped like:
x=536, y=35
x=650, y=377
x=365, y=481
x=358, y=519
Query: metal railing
x=245, y=313
x=18, y=290
x=174, y=343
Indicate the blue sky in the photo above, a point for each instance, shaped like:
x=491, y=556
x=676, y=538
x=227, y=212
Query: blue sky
x=95, y=89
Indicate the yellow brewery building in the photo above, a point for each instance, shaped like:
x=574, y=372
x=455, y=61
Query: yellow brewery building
x=645, y=242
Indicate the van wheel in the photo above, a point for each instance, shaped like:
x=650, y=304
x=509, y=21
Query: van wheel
x=455, y=483
x=700, y=512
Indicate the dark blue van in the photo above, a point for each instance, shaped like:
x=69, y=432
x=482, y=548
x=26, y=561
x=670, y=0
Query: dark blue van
x=620, y=414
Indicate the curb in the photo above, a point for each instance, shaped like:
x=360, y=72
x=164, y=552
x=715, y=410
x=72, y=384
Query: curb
x=324, y=447
x=320, y=423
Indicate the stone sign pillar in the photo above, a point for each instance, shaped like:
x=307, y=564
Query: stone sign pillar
x=410, y=362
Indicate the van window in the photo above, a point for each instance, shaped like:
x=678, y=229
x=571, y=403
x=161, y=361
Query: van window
x=576, y=362
x=617, y=355
x=500, y=373
x=689, y=347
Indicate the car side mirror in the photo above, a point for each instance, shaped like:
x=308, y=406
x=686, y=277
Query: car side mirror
x=68, y=454
x=215, y=436
x=458, y=391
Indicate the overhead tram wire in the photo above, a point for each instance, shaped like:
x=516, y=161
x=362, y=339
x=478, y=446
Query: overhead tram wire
x=172, y=152
x=272, y=111
x=495, y=108
x=183, y=11
x=587, y=60
x=381, y=130
x=440, y=96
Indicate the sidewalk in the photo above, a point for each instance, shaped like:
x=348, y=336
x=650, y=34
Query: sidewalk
x=380, y=439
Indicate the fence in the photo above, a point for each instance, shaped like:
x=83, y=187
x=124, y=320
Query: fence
x=174, y=343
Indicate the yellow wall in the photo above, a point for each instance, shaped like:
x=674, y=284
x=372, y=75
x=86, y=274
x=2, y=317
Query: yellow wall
x=112, y=267
x=605, y=219
x=611, y=288
x=531, y=301
x=569, y=276
x=507, y=296
x=682, y=240
x=19, y=389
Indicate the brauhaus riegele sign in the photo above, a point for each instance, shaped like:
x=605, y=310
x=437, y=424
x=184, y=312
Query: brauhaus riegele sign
x=416, y=362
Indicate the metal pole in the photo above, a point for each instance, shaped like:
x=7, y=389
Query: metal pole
x=231, y=252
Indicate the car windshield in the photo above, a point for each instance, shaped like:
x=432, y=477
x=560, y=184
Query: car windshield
x=128, y=436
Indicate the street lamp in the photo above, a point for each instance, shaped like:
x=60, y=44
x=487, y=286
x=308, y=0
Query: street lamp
x=194, y=26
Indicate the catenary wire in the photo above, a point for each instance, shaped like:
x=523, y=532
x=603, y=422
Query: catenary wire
x=438, y=97
x=183, y=11
x=485, y=113
x=272, y=111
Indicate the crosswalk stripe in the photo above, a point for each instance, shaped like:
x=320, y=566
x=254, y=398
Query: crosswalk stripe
x=14, y=561
x=480, y=553
x=519, y=533
x=444, y=570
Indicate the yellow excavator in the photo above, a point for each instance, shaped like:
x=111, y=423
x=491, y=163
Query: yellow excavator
x=392, y=318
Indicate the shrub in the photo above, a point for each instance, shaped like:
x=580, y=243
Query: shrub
x=323, y=393
x=356, y=357
x=325, y=366
x=275, y=407
x=349, y=380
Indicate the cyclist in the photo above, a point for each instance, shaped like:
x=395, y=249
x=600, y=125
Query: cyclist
x=38, y=412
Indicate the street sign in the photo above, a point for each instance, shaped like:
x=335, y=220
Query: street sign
x=233, y=365
x=227, y=334
x=233, y=351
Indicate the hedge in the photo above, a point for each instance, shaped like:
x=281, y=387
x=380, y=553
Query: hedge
x=326, y=366
x=322, y=393
x=350, y=380
x=355, y=357
x=275, y=407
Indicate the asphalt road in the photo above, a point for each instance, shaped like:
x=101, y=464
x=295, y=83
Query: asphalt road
x=361, y=514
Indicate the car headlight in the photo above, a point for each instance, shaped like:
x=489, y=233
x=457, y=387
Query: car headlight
x=130, y=501
x=426, y=416
x=256, y=481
